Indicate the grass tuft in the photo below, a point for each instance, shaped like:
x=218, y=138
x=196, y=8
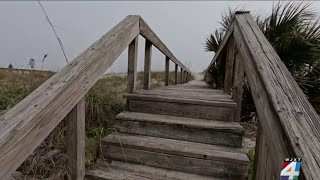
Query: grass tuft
x=103, y=102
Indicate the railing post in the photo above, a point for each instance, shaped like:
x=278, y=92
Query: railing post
x=147, y=64
x=185, y=76
x=167, y=71
x=75, y=121
x=132, y=65
x=238, y=85
x=229, y=66
x=176, y=74
x=181, y=75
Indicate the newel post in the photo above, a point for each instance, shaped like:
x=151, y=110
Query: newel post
x=75, y=121
x=147, y=64
x=132, y=65
x=167, y=71
x=176, y=74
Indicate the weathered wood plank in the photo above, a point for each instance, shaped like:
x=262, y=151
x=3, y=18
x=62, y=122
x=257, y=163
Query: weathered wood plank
x=176, y=74
x=147, y=32
x=178, y=148
x=238, y=86
x=180, y=128
x=167, y=71
x=187, y=122
x=147, y=64
x=26, y=125
x=132, y=65
x=228, y=78
x=282, y=107
x=123, y=170
x=182, y=109
x=75, y=121
x=188, y=95
x=177, y=163
x=159, y=98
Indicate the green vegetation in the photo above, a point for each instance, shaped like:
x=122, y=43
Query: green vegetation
x=293, y=29
x=250, y=155
x=103, y=102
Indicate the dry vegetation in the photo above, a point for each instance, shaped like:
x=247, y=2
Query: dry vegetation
x=103, y=102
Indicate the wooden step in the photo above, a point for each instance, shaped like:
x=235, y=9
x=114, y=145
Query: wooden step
x=194, y=108
x=180, y=128
x=190, y=157
x=127, y=171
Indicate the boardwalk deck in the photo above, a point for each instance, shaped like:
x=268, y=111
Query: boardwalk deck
x=183, y=129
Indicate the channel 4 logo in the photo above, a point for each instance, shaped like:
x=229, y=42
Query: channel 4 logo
x=290, y=169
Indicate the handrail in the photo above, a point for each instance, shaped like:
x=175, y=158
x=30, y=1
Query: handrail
x=25, y=126
x=288, y=124
x=146, y=32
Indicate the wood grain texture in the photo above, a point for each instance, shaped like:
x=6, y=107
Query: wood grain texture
x=26, y=125
x=147, y=64
x=120, y=170
x=160, y=98
x=147, y=33
x=177, y=163
x=182, y=109
x=185, y=129
x=230, y=57
x=166, y=80
x=75, y=121
x=132, y=65
x=238, y=86
x=176, y=74
x=220, y=126
x=188, y=95
x=176, y=147
x=288, y=120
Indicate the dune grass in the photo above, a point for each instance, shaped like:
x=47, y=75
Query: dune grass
x=103, y=102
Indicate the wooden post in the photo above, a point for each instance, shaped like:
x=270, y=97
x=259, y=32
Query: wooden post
x=147, y=64
x=132, y=65
x=167, y=71
x=229, y=66
x=185, y=76
x=75, y=121
x=238, y=85
x=176, y=74
x=181, y=75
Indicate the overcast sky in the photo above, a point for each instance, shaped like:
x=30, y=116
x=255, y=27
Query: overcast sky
x=182, y=26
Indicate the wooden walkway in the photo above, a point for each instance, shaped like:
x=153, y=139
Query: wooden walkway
x=185, y=131
x=174, y=132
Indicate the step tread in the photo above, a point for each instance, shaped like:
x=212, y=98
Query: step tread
x=188, y=122
x=161, y=98
x=120, y=170
x=177, y=147
x=188, y=95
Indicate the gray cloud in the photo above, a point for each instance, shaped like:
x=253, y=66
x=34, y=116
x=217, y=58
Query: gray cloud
x=183, y=26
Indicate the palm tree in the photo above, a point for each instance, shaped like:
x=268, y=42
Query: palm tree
x=294, y=32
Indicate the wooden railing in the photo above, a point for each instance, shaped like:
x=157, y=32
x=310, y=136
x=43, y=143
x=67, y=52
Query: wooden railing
x=25, y=126
x=288, y=125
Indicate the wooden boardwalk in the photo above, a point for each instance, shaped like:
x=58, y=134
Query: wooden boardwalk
x=174, y=132
x=183, y=131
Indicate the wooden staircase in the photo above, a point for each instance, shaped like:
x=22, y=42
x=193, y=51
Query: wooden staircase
x=174, y=132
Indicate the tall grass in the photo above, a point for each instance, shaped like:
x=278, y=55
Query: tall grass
x=103, y=102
